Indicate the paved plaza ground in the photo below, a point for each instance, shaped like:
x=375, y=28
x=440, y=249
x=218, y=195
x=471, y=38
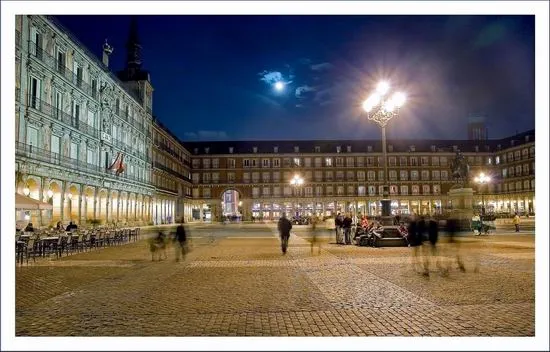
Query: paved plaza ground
x=236, y=282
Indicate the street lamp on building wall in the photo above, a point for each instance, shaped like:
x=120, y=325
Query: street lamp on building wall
x=381, y=108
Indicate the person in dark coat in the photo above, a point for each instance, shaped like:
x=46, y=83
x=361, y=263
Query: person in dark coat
x=338, y=223
x=346, y=225
x=454, y=245
x=421, y=237
x=29, y=228
x=284, y=226
x=433, y=235
x=71, y=226
x=180, y=242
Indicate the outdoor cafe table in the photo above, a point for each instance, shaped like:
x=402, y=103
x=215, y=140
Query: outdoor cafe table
x=46, y=241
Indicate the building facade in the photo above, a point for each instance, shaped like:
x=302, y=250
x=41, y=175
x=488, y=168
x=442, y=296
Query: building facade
x=83, y=134
x=87, y=143
x=171, y=177
x=347, y=176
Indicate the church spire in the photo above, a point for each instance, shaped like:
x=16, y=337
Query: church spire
x=133, y=47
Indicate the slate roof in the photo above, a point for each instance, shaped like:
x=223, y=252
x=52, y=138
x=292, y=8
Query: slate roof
x=357, y=146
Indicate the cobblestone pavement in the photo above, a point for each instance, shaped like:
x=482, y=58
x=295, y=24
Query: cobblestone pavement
x=239, y=284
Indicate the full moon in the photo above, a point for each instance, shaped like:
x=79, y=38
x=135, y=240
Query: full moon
x=279, y=85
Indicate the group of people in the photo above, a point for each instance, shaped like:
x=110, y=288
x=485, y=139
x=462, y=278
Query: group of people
x=423, y=234
x=158, y=244
x=342, y=224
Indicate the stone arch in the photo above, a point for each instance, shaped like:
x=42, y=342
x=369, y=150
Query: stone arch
x=231, y=204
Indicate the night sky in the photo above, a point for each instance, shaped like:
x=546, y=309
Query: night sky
x=213, y=75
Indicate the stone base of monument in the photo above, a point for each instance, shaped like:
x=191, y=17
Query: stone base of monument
x=462, y=206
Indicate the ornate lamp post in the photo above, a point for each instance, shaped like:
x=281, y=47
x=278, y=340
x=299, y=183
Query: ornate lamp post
x=481, y=180
x=381, y=108
x=297, y=181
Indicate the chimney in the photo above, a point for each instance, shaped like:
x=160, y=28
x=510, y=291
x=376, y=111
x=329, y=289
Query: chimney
x=107, y=50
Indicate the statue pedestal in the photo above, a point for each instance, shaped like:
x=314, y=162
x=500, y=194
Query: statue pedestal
x=462, y=204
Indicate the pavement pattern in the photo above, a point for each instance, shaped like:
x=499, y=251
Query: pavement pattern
x=236, y=282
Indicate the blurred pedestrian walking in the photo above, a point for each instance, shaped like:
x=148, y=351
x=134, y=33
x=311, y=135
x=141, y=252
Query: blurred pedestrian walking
x=180, y=242
x=338, y=223
x=284, y=226
x=454, y=244
x=314, y=240
x=516, y=222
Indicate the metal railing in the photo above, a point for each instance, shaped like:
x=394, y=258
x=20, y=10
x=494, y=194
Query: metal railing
x=94, y=58
x=169, y=170
x=32, y=152
x=59, y=67
x=58, y=114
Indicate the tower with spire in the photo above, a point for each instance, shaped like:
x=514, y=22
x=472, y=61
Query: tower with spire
x=135, y=78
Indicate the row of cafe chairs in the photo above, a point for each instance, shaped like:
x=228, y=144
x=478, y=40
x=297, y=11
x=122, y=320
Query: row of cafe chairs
x=51, y=242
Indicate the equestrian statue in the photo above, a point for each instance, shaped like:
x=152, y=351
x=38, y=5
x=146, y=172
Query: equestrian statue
x=460, y=170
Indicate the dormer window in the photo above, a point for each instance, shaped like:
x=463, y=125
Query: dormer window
x=433, y=148
x=349, y=148
x=254, y=149
x=369, y=148
x=275, y=149
x=206, y=150
x=512, y=142
x=230, y=150
x=455, y=148
x=296, y=149
x=338, y=149
x=390, y=148
x=412, y=148
x=196, y=151
x=317, y=149
x=477, y=148
x=527, y=138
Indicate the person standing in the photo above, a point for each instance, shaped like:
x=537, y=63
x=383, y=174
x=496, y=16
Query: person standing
x=516, y=222
x=338, y=222
x=284, y=226
x=180, y=242
x=346, y=225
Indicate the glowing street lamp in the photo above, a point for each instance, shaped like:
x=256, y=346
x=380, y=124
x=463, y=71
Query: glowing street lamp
x=297, y=180
x=381, y=107
x=49, y=193
x=26, y=191
x=481, y=180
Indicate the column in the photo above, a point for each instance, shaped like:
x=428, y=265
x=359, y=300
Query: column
x=200, y=212
x=82, y=199
x=118, y=206
x=95, y=203
x=107, y=205
x=127, y=205
x=62, y=215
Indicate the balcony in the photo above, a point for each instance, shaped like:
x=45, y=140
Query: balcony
x=170, y=171
x=58, y=114
x=29, y=151
x=59, y=67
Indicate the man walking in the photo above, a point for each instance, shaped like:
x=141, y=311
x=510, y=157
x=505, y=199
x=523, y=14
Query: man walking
x=284, y=226
x=180, y=242
x=516, y=222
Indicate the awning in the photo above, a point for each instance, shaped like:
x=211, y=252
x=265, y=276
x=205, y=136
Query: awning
x=28, y=203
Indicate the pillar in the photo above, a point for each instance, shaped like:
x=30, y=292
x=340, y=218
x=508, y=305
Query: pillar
x=127, y=205
x=80, y=198
x=95, y=203
x=200, y=212
x=108, y=205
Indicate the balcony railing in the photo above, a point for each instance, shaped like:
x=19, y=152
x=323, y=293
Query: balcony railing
x=173, y=172
x=58, y=114
x=29, y=151
x=59, y=67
